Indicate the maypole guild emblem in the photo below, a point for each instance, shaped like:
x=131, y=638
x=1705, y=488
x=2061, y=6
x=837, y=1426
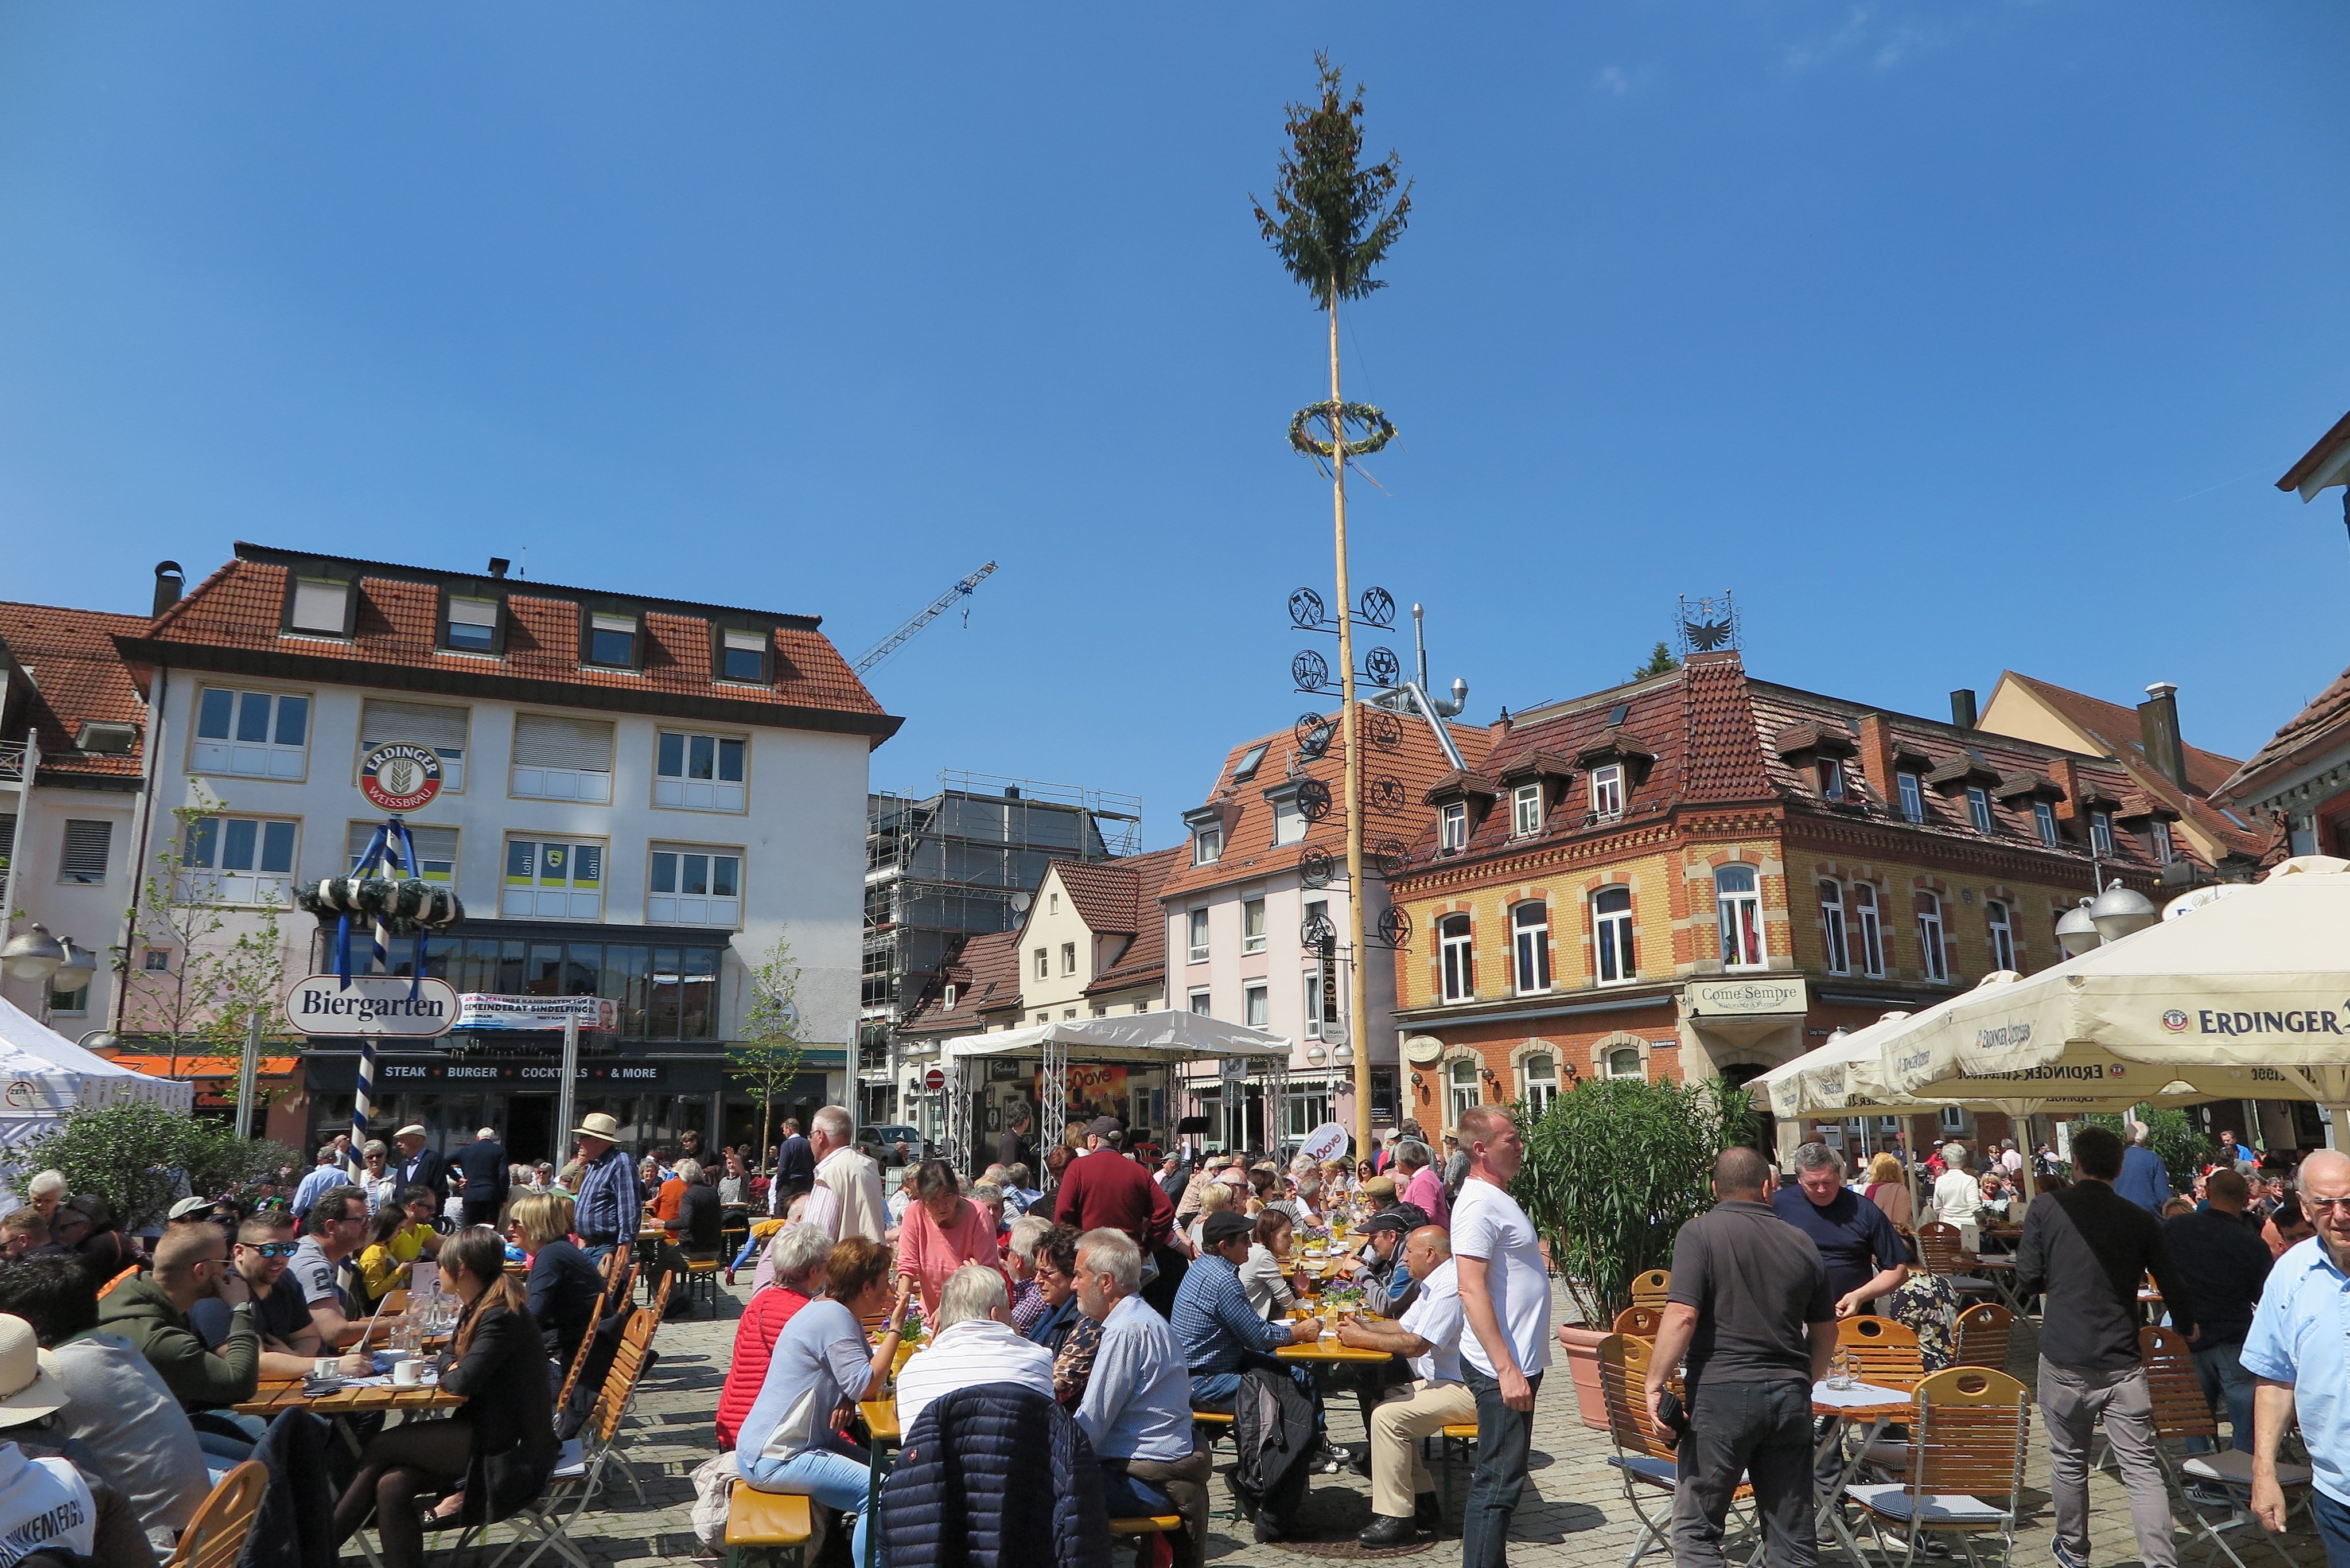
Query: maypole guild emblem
x=400, y=776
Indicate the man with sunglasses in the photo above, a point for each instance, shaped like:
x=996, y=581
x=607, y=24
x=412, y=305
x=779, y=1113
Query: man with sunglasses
x=2299, y=1348
x=290, y=1341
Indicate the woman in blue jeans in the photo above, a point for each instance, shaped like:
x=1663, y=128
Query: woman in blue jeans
x=820, y=1365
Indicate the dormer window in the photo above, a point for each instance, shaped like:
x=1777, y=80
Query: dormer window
x=319, y=607
x=2044, y=817
x=612, y=640
x=472, y=625
x=1830, y=771
x=105, y=738
x=1607, y=791
x=1526, y=810
x=1978, y=807
x=742, y=655
x=1453, y=828
x=2101, y=835
x=1207, y=845
x=2157, y=839
x=1912, y=791
x=1245, y=769
x=1288, y=822
x=953, y=992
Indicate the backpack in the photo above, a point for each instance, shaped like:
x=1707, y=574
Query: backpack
x=1273, y=1434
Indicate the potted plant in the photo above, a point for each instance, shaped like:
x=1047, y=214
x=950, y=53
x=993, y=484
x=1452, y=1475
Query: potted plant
x=1613, y=1169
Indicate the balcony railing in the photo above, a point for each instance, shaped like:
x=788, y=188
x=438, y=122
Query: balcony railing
x=16, y=760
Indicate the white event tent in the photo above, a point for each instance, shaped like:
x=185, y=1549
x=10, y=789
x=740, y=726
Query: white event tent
x=43, y=1075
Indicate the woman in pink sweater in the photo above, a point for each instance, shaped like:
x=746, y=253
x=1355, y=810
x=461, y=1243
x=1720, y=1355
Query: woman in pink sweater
x=942, y=1231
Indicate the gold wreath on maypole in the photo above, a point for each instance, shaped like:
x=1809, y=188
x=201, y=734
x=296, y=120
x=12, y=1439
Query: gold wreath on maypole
x=1331, y=221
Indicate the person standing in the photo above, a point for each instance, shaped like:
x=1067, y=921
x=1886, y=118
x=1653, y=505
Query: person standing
x=1104, y=1188
x=2143, y=1179
x=1505, y=1302
x=1421, y=1188
x=328, y=1172
x=2086, y=1248
x=2299, y=1348
x=1863, y=1253
x=611, y=1204
x=1752, y=1314
x=1957, y=1193
x=795, y=1168
x=419, y=1165
x=845, y=1200
x=483, y=1165
x=2225, y=1266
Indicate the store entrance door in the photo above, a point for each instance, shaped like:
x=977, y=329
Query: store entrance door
x=531, y=1132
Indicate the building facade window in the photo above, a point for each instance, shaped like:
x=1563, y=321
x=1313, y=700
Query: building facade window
x=1256, y=1008
x=383, y=721
x=1068, y=958
x=2158, y=842
x=1043, y=964
x=1530, y=939
x=319, y=607
x=2002, y=935
x=1832, y=931
x=1288, y=822
x=1738, y=906
x=241, y=859
x=694, y=887
x=1252, y=924
x=2044, y=818
x=1870, y=927
x=1312, y=988
x=742, y=655
x=553, y=879
x=81, y=861
x=561, y=758
x=2101, y=835
x=612, y=641
x=1978, y=807
x=1525, y=810
x=1932, y=957
x=1198, y=1002
x=1913, y=797
x=251, y=734
x=1207, y=845
x=1461, y=1091
x=472, y=625
x=699, y=773
x=1607, y=791
x=1611, y=930
x=1199, y=935
x=1623, y=1062
x=1539, y=1070
x=1452, y=940
x=1831, y=775
x=436, y=849
x=1453, y=828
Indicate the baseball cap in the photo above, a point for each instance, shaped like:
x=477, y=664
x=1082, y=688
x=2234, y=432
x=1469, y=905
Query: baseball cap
x=1218, y=1229
x=1101, y=1127
x=189, y=1207
x=1395, y=1222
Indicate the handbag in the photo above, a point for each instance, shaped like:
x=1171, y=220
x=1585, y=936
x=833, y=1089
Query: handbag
x=1675, y=1416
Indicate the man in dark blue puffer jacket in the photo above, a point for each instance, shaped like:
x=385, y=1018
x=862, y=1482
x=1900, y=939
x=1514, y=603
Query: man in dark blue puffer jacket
x=968, y=1492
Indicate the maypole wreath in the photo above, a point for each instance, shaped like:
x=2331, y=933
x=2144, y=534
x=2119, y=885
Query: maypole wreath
x=1377, y=429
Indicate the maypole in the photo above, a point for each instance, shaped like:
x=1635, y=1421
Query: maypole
x=1334, y=226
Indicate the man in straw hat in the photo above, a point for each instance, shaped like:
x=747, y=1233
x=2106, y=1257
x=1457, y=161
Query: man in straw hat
x=47, y=1507
x=419, y=1165
x=611, y=1202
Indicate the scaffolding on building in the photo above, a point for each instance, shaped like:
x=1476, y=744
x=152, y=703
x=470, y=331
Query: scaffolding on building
x=949, y=864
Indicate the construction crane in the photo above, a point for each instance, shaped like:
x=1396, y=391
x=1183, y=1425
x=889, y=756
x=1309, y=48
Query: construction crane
x=938, y=607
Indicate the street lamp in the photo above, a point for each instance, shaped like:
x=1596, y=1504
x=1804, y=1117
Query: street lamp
x=75, y=969
x=2120, y=911
x=2076, y=933
x=101, y=1041
x=32, y=953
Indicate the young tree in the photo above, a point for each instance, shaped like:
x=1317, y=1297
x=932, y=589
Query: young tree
x=767, y=1053
x=1660, y=661
x=1332, y=224
x=222, y=962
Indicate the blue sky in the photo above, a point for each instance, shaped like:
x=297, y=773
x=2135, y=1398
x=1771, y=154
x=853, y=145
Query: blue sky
x=1952, y=337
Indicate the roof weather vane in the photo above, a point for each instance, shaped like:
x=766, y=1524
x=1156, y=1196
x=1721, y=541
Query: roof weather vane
x=1707, y=624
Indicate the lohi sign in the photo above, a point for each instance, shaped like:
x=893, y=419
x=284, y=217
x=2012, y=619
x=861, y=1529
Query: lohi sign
x=372, y=1005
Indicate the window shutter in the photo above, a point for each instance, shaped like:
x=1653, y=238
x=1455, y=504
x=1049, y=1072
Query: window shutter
x=421, y=723
x=545, y=741
x=431, y=842
x=85, y=852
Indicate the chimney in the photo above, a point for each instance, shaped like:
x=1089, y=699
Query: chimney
x=2158, y=722
x=169, y=581
x=1963, y=708
x=498, y=564
x=2067, y=777
x=1012, y=792
x=1499, y=729
x=1876, y=755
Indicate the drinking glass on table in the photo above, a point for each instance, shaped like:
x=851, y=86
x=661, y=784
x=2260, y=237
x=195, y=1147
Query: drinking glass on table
x=1840, y=1374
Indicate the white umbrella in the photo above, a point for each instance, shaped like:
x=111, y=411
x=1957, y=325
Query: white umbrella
x=2247, y=995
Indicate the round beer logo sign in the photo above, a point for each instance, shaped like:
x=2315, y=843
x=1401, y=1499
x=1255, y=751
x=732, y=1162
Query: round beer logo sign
x=2174, y=1021
x=400, y=776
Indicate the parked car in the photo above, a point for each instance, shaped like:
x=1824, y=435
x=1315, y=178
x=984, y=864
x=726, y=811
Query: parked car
x=881, y=1143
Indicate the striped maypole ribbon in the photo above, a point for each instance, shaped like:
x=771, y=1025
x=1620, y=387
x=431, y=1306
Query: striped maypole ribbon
x=381, y=857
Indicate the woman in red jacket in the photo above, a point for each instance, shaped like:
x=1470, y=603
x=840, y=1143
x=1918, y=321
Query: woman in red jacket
x=800, y=1255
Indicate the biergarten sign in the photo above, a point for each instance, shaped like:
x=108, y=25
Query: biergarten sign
x=378, y=1004
x=400, y=776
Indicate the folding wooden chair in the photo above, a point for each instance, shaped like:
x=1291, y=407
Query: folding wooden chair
x=764, y=1522
x=1649, y=1290
x=215, y=1537
x=1881, y=1351
x=2180, y=1412
x=1646, y=1466
x=1639, y=1322
x=1940, y=1251
x=1983, y=1332
x=1965, y=1471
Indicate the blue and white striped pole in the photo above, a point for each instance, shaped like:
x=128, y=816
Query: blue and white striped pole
x=381, y=855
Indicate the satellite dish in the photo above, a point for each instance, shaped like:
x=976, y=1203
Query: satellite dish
x=1020, y=902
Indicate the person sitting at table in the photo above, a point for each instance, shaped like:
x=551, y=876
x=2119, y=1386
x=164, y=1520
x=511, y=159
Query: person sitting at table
x=336, y=1228
x=1216, y=1197
x=1220, y=1334
x=942, y=1231
x=698, y=1221
x=798, y=1255
x=1429, y=1336
x=1266, y=1278
x=57, y=1510
x=1389, y=1286
x=1028, y=1302
x=972, y=1342
x=1055, y=1266
x=563, y=1287
x=1137, y=1408
x=821, y=1362
x=290, y=1342
x=151, y=1311
x=990, y=1198
x=491, y=1456
x=402, y=1233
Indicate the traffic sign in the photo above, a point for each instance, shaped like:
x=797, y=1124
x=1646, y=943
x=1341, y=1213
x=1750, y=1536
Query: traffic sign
x=400, y=776
x=935, y=1079
x=372, y=1005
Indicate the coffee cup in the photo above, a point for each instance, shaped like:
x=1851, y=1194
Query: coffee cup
x=329, y=1367
x=406, y=1373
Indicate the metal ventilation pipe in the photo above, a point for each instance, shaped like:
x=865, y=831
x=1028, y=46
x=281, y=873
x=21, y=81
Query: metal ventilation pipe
x=169, y=581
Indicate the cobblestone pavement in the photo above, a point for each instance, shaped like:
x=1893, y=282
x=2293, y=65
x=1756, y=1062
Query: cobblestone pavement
x=1573, y=1515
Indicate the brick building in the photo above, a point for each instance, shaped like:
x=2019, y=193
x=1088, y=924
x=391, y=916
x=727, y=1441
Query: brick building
x=1703, y=872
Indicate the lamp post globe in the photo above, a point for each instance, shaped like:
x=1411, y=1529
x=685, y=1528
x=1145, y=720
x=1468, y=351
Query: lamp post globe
x=2120, y=911
x=75, y=968
x=32, y=953
x=2076, y=933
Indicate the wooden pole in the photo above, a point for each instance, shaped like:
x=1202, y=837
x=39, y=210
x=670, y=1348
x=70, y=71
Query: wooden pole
x=1355, y=986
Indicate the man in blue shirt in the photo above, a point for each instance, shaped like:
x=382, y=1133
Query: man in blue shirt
x=2143, y=1179
x=1864, y=1255
x=1137, y=1408
x=322, y=1175
x=611, y=1203
x=2300, y=1349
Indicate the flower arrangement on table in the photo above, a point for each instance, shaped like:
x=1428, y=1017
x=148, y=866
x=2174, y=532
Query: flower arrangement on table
x=1340, y=1300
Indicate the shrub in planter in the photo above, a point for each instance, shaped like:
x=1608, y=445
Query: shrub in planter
x=134, y=1154
x=1613, y=1168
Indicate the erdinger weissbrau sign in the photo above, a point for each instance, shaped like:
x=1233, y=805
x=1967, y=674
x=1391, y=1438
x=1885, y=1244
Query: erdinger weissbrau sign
x=381, y=1004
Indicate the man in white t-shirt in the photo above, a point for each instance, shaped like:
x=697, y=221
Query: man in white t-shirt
x=1506, y=1305
x=1403, y=1497
x=1957, y=1194
x=974, y=1343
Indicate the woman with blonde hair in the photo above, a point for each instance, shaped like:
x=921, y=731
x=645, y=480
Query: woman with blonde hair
x=1216, y=1197
x=565, y=1286
x=1888, y=1188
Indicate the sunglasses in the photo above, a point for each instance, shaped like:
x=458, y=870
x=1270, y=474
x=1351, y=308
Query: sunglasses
x=270, y=1249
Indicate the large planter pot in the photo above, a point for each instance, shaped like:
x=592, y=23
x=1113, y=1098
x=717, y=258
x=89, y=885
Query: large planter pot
x=1583, y=1366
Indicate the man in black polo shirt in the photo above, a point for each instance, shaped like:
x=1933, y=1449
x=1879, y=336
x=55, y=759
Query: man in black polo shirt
x=1864, y=1255
x=2225, y=1264
x=1752, y=1312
